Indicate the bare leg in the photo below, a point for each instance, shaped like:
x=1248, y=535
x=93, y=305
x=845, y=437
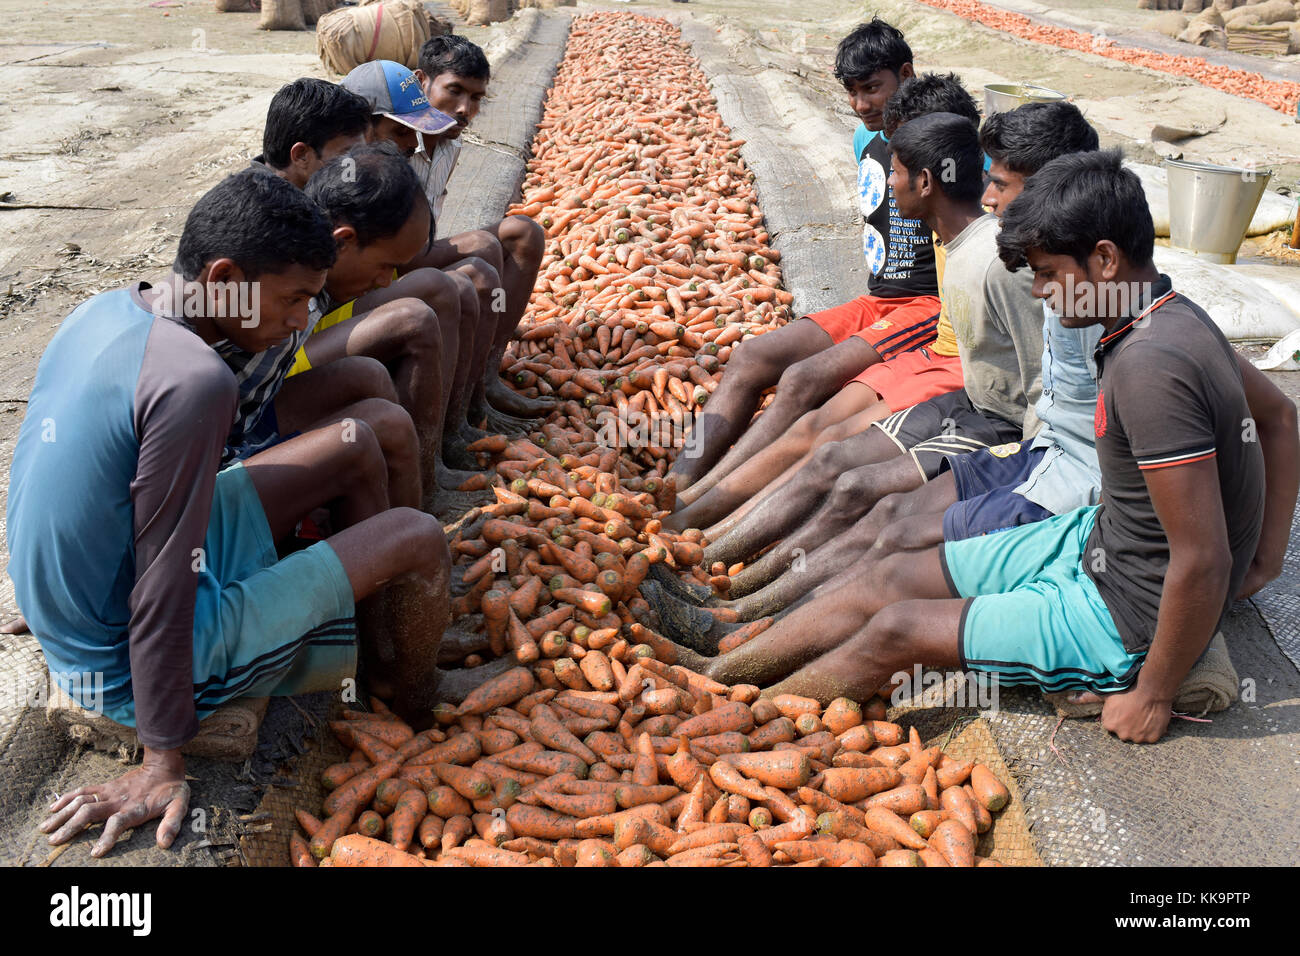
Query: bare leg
x=801, y=568
x=819, y=626
x=523, y=243
x=404, y=336
x=755, y=366
x=396, y=559
x=834, y=490
x=357, y=387
x=802, y=387
x=925, y=632
x=748, y=479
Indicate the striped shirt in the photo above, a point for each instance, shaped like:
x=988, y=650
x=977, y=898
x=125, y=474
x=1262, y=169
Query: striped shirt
x=434, y=171
x=259, y=376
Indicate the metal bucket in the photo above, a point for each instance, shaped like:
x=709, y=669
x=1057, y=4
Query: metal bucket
x=999, y=97
x=1210, y=207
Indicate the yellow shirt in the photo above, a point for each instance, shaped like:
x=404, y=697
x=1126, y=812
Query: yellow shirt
x=945, y=340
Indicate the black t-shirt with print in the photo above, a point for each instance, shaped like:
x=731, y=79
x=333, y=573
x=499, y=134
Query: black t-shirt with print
x=1170, y=394
x=900, y=254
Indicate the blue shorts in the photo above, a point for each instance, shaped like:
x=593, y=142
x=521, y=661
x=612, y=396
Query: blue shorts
x=1035, y=616
x=263, y=627
x=986, y=497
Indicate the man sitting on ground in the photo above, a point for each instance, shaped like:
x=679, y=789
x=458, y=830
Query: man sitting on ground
x=454, y=75
x=992, y=488
x=937, y=176
x=308, y=123
x=808, y=361
x=132, y=557
x=1118, y=599
x=898, y=382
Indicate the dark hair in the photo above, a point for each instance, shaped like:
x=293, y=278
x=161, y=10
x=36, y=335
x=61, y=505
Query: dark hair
x=373, y=189
x=260, y=221
x=313, y=112
x=929, y=93
x=454, y=54
x=1074, y=202
x=870, y=48
x=948, y=146
x=1026, y=139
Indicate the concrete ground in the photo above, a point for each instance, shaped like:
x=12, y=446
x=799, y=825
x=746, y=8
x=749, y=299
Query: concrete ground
x=144, y=112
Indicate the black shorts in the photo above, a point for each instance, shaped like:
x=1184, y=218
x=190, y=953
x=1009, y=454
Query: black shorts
x=942, y=426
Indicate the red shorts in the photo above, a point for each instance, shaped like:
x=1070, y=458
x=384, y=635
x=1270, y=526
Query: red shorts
x=890, y=326
x=913, y=377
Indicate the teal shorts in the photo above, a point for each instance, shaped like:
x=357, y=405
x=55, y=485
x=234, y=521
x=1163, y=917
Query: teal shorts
x=263, y=627
x=1035, y=616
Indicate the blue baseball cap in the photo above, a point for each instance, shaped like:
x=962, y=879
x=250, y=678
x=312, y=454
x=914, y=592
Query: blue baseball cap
x=393, y=91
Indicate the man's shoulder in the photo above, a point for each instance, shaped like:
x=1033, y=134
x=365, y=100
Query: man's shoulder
x=863, y=138
x=180, y=363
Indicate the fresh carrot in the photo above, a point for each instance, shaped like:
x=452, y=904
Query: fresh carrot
x=955, y=842
x=989, y=790
x=358, y=850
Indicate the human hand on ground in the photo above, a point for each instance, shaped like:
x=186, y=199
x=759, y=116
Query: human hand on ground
x=156, y=788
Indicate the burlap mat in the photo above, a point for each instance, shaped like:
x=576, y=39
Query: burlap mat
x=228, y=735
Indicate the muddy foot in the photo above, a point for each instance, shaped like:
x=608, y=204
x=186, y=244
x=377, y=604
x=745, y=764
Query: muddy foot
x=468, y=433
x=455, y=455
x=454, y=685
x=675, y=586
x=505, y=399
x=681, y=622
x=447, y=506
x=509, y=425
x=449, y=479
x=17, y=625
x=457, y=645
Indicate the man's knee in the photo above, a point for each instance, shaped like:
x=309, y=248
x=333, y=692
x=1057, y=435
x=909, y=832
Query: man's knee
x=361, y=455
x=364, y=378
x=756, y=362
x=413, y=324
x=483, y=276
x=422, y=537
x=889, y=635
x=522, y=238
x=483, y=245
x=392, y=426
x=832, y=469
x=803, y=382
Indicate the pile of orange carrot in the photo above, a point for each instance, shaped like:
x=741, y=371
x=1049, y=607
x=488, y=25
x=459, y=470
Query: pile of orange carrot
x=657, y=264
x=666, y=768
x=1276, y=94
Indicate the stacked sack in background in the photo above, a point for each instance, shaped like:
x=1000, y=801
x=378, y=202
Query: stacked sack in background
x=392, y=30
x=1269, y=28
x=281, y=14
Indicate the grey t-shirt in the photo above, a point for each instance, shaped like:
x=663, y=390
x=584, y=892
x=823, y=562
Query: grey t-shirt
x=998, y=324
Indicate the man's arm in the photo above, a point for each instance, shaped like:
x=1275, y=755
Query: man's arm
x=1187, y=501
x=183, y=411
x=1274, y=416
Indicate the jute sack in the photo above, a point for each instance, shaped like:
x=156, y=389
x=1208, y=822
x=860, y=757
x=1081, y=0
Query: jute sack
x=394, y=30
x=482, y=12
x=235, y=6
x=1206, y=29
x=282, y=15
x=313, y=10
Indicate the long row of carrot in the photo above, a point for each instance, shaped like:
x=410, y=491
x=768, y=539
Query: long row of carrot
x=666, y=769
x=1276, y=94
x=657, y=265
x=599, y=748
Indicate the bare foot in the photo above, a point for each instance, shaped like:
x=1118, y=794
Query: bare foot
x=505, y=399
x=17, y=625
